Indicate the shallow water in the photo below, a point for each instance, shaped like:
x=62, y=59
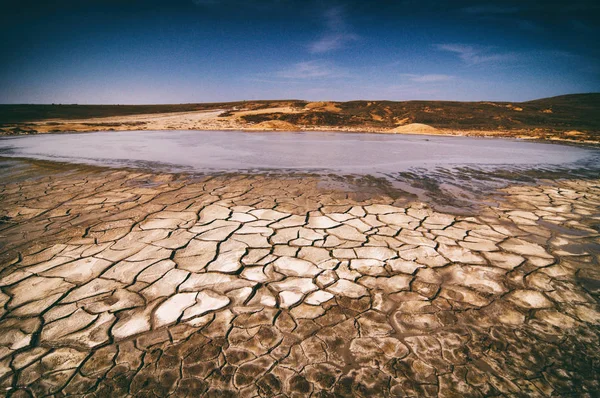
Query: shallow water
x=212, y=151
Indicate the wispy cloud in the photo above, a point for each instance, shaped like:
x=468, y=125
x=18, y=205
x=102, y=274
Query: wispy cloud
x=316, y=69
x=429, y=78
x=582, y=27
x=491, y=9
x=258, y=4
x=338, y=33
x=472, y=55
x=521, y=17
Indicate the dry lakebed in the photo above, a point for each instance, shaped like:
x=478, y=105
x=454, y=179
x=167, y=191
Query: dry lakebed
x=185, y=264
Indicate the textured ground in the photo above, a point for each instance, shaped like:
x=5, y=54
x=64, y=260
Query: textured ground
x=116, y=283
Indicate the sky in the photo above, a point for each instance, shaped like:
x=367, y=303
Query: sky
x=186, y=51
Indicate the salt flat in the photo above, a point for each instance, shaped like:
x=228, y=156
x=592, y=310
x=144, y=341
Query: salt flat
x=202, y=151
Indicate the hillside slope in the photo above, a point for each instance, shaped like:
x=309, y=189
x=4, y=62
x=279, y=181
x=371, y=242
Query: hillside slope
x=571, y=112
x=573, y=117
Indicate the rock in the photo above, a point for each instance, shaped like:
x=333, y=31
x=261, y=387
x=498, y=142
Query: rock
x=79, y=271
x=291, y=266
x=206, y=301
x=522, y=247
x=216, y=281
x=424, y=255
x=391, y=284
x=345, y=232
x=368, y=266
x=319, y=297
x=372, y=351
x=404, y=266
x=321, y=222
x=133, y=322
x=172, y=308
x=459, y=254
x=228, y=261
x=294, y=284
x=289, y=298
x=486, y=280
x=377, y=253
x=346, y=288
x=35, y=288
x=165, y=286
x=529, y=299
x=504, y=260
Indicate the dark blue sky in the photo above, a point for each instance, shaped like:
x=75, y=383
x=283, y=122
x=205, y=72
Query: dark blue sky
x=178, y=51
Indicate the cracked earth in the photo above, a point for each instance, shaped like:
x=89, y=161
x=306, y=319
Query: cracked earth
x=119, y=283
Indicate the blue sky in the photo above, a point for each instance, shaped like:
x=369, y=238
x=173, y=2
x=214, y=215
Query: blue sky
x=180, y=51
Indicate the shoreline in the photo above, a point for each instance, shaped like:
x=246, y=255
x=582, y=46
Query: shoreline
x=438, y=192
x=484, y=134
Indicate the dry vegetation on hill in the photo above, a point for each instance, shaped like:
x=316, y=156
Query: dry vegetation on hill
x=569, y=117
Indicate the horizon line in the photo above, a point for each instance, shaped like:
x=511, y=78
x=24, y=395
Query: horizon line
x=284, y=99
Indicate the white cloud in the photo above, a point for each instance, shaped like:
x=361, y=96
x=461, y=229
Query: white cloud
x=337, y=35
x=311, y=70
x=475, y=55
x=429, y=78
x=331, y=42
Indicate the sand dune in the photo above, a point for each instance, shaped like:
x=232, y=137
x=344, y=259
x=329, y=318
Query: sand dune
x=415, y=128
x=279, y=125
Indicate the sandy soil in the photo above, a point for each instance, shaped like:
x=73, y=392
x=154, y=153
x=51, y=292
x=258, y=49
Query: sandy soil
x=231, y=119
x=416, y=128
x=282, y=109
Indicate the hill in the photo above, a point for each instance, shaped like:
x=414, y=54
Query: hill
x=574, y=117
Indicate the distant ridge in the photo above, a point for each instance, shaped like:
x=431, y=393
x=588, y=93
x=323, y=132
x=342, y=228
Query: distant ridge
x=572, y=117
x=15, y=113
x=568, y=98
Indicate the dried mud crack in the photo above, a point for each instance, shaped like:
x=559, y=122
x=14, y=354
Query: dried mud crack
x=120, y=283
